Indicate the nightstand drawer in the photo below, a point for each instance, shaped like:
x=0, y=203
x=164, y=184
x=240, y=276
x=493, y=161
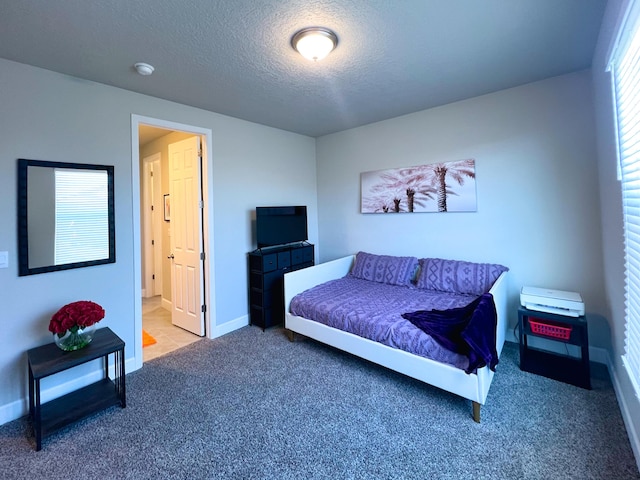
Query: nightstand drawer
x=284, y=260
x=263, y=263
x=302, y=255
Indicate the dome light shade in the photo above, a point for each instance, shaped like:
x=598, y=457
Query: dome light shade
x=314, y=43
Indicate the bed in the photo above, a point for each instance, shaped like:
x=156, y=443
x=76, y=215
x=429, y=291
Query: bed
x=446, y=371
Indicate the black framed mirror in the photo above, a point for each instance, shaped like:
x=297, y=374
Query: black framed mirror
x=66, y=216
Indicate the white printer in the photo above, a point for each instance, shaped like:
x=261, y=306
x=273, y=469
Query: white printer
x=546, y=300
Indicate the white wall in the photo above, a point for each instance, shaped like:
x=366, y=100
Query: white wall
x=48, y=116
x=612, y=222
x=537, y=188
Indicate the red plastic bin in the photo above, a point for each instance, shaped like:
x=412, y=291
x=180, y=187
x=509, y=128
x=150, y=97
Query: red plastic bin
x=549, y=330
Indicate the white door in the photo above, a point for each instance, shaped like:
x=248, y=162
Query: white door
x=186, y=235
x=152, y=220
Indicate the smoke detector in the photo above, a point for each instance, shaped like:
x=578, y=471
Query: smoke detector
x=144, y=68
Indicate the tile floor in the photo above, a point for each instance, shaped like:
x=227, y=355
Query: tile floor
x=157, y=322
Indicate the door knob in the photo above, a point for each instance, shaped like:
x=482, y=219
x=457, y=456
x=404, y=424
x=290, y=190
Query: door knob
x=170, y=257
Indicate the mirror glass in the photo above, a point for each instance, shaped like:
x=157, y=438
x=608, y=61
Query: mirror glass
x=65, y=216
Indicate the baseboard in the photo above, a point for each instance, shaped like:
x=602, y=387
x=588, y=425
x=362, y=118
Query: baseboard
x=19, y=408
x=228, y=327
x=634, y=440
x=599, y=355
x=14, y=410
x=166, y=304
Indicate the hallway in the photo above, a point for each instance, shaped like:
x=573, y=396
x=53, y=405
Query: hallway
x=156, y=321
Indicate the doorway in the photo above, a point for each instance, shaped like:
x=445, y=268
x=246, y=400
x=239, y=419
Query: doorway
x=156, y=289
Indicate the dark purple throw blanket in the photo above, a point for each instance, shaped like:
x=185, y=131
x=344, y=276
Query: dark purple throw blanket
x=469, y=330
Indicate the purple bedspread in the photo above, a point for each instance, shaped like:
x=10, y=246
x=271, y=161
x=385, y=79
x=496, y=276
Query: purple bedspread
x=374, y=310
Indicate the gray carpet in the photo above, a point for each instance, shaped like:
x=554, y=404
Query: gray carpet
x=252, y=405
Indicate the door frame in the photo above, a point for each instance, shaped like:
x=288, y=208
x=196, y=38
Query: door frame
x=207, y=223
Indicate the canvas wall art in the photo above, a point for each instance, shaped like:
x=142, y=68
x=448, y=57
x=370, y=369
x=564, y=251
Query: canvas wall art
x=435, y=187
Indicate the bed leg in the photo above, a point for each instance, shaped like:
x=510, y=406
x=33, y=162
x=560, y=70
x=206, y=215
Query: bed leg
x=291, y=334
x=476, y=411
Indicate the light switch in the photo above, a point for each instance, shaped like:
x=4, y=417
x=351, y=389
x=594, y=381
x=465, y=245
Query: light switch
x=4, y=259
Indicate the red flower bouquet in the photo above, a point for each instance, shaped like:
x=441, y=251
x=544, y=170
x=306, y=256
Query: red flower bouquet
x=68, y=324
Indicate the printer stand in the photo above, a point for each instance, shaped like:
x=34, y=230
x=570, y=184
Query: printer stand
x=558, y=328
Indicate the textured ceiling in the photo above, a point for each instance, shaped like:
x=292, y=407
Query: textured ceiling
x=234, y=57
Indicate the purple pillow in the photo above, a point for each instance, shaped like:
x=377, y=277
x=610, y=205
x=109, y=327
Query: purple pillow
x=456, y=276
x=384, y=268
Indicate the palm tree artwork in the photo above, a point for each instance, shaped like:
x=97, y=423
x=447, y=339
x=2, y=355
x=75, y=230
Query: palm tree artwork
x=436, y=187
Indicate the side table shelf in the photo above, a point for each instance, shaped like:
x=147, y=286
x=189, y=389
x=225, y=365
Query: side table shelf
x=565, y=368
x=49, y=359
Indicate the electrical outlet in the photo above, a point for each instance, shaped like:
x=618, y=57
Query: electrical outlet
x=4, y=259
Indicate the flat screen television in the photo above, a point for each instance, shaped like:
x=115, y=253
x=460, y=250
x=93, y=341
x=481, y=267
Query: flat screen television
x=280, y=225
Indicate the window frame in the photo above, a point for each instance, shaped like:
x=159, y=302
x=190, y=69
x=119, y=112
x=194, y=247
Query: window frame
x=624, y=65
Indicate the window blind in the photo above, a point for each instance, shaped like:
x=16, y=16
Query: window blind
x=626, y=71
x=82, y=210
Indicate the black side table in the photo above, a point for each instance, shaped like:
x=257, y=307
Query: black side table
x=558, y=328
x=49, y=359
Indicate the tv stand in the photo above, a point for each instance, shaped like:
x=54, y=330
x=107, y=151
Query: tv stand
x=267, y=267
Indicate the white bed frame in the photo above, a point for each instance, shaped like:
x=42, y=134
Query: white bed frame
x=474, y=387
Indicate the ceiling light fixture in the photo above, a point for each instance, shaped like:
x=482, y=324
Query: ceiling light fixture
x=314, y=43
x=144, y=68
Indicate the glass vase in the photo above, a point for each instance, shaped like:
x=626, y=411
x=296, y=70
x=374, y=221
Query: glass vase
x=71, y=340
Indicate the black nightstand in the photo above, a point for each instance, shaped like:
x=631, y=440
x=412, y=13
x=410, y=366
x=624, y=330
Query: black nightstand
x=558, y=328
x=266, y=280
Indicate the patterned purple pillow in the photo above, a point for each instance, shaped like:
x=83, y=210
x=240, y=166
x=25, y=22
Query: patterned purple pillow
x=384, y=268
x=456, y=276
